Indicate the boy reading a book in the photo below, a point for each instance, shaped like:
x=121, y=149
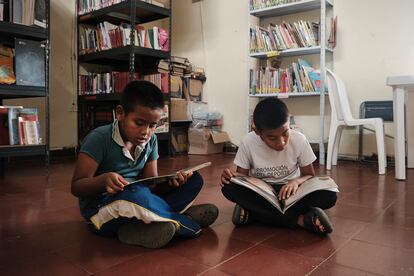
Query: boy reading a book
x=276, y=151
x=113, y=155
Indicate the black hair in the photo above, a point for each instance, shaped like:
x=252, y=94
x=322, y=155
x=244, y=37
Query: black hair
x=142, y=93
x=271, y=113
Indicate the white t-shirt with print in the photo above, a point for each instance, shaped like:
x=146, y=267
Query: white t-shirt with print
x=263, y=161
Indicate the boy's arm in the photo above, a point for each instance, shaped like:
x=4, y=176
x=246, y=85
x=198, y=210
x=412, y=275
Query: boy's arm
x=289, y=189
x=85, y=183
x=150, y=169
x=228, y=173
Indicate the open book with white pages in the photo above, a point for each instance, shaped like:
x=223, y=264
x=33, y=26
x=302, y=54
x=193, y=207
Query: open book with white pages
x=267, y=189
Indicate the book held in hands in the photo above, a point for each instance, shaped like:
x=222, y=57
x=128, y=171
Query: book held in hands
x=267, y=189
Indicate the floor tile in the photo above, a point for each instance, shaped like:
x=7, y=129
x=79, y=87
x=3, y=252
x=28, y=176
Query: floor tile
x=329, y=268
x=213, y=246
x=377, y=259
x=263, y=261
x=156, y=262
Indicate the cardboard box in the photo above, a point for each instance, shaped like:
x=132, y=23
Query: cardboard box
x=179, y=110
x=206, y=141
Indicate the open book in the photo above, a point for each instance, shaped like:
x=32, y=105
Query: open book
x=268, y=192
x=152, y=182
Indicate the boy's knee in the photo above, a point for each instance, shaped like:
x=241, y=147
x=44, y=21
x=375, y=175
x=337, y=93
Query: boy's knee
x=196, y=181
x=331, y=199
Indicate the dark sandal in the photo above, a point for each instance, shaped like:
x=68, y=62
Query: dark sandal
x=309, y=221
x=240, y=216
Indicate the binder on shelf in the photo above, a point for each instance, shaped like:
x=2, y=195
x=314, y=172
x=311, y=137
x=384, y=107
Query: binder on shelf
x=30, y=62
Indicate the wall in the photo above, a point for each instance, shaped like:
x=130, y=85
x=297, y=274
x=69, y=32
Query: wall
x=213, y=34
x=374, y=41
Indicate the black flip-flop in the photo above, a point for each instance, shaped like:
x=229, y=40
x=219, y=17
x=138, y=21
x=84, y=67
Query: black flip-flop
x=309, y=221
x=240, y=216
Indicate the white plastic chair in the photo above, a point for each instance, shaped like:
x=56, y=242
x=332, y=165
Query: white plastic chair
x=341, y=117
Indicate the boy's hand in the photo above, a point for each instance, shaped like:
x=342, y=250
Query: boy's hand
x=225, y=176
x=180, y=178
x=114, y=183
x=288, y=190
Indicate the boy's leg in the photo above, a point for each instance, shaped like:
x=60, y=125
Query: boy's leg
x=259, y=208
x=321, y=199
x=181, y=198
x=137, y=202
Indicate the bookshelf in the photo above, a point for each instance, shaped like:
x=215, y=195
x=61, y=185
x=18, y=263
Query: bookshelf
x=10, y=31
x=296, y=10
x=95, y=109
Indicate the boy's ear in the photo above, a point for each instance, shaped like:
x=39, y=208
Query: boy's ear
x=119, y=112
x=255, y=130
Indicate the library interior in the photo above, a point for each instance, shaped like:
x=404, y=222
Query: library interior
x=206, y=137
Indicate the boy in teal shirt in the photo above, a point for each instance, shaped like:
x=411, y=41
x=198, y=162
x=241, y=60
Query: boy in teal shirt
x=113, y=155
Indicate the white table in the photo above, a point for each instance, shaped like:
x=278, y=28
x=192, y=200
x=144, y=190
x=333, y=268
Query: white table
x=403, y=93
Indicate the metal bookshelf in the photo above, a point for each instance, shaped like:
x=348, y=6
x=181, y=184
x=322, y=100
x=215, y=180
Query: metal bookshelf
x=322, y=51
x=8, y=32
x=131, y=57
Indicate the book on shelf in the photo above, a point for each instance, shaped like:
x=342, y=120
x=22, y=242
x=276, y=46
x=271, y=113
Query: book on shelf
x=29, y=62
x=29, y=127
x=297, y=77
x=268, y=188
x=163, y=124
x=7, y=75
x=162, y=180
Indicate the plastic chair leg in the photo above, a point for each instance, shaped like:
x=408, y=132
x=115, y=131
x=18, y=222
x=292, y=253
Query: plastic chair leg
x=331, y=142
x=336, y=145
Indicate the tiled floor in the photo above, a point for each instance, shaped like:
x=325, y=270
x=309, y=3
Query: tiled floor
x=42, y=232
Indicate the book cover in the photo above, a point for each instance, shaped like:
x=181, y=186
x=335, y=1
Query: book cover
x=30, y=62
x=161, y=182
x=13, y=114
x=269, y=190
x=40, y=13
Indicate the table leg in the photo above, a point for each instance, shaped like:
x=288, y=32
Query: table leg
x=409, y=103
x=399, y=132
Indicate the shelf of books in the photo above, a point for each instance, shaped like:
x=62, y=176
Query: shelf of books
x=264, y=9
x=21, y=91
x=121, y=54
x=116, y=46
x=24, y=73
x=120, y=11
x=273, y=38
x=313, y=50
x=21, y=31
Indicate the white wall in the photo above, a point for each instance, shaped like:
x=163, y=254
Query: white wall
x=213, y=34
x=374, y=40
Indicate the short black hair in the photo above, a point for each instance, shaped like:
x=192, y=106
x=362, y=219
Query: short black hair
x=270, y=113
x=140, y=92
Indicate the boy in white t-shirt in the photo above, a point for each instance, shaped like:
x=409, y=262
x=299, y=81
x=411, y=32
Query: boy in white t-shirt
x=274, y=150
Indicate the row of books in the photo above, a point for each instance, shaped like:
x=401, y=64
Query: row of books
x=115, y=82
x=26, y=12
x=24, y=64
x=261, y=4
x=289, y=36
x=86, y=6
x=106, y=36
x=99, y=115
x=19, y=126
x=298, y=77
